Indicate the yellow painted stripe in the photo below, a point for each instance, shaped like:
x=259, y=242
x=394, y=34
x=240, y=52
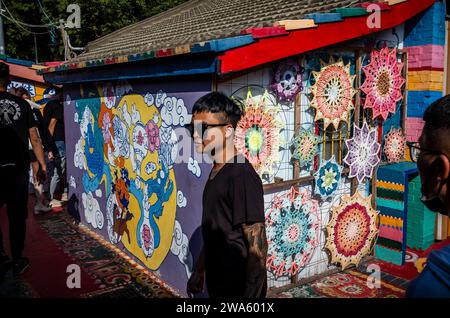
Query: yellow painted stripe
x=426, y=80
x=390, y=221
x=390, y=185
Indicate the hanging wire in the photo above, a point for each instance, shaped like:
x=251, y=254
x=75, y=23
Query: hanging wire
x=23, y=28
x=12, y=18
x=53, y=32
x=45, y=13
x=22, y=25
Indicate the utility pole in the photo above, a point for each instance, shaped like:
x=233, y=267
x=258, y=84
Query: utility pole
x=35, y=49
x=63, y=38
x=2, y=36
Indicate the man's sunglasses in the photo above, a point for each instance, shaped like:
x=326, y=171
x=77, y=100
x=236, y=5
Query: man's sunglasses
x=415, y=150
x=201, y=127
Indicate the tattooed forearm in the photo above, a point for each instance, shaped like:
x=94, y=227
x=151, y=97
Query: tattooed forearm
x=255, y=235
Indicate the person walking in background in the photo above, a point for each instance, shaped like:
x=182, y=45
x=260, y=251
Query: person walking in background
x=54, y=121
x=17, y=126
x=41, y=203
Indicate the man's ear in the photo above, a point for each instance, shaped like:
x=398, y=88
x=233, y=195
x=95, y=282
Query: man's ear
x=229, y=132
x=444, y=167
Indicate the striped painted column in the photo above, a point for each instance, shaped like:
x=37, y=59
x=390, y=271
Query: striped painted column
x=425, y=44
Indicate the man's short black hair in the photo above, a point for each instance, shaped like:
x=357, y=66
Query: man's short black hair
x=20, y=91
x=4, y=74
x=217, y=102
x=437, y=119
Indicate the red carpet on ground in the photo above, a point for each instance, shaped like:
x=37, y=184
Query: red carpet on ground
x=415, y=260
x=47, y=274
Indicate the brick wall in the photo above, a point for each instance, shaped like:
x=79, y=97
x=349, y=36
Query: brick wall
x=424, y=41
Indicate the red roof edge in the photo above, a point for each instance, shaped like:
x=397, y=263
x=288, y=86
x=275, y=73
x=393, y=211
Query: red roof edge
x=266, y=50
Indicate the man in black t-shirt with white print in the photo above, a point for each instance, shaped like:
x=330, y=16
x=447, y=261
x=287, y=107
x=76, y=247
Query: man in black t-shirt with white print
x=17, y=126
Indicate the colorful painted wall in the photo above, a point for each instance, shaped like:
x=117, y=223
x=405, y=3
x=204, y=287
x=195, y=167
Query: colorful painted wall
x=124, y=180
x=425, y=44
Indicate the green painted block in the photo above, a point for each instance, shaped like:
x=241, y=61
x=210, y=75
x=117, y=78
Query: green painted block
x=350, y=12
x=388, y=255
x=396, y=205
x=424, y=245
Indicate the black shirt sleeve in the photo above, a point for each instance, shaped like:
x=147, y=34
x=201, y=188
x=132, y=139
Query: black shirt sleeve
x=51, y=110
x=47, y=113
x=248, y=197
x=58, y=112
x=31, y=119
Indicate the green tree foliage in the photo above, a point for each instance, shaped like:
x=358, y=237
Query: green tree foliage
x=98, y=18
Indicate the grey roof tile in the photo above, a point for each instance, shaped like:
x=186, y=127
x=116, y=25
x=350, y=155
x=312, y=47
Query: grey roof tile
x=202, y=20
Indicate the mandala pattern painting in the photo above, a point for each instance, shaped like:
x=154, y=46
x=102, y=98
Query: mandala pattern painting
x=258, y=133
x=394, y=145
x=305, y=147
x=351, y=230
x=328, y=178
x=293, y=226
x=363, y=152
x=288, y=80
x=383, y=82
x=333, y=93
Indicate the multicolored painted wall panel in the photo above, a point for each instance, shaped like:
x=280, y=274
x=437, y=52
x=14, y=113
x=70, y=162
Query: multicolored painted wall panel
x=425, y=44
x=122, y=164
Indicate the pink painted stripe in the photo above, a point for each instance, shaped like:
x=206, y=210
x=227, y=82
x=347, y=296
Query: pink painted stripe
x=390, y=233
x=414, y=128
x=425, y=56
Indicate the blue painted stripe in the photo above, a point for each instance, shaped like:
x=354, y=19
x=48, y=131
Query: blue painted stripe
x=19, y=62
x=324, y=17
x=194, y=65
x=390, y=176
x=427, y=27
x=418, y=102
x=221, y=45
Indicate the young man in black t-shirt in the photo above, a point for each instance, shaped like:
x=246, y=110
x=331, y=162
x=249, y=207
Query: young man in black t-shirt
x=233, y=259
x=17, y=126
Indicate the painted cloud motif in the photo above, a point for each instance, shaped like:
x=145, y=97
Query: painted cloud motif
x=174, y=112
x=180, y=248
x=79, y=160
x=194, y=167
x=92, y=212
x=181, y=199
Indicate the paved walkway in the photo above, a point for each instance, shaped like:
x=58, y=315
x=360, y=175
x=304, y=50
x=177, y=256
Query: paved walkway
x=54, y=242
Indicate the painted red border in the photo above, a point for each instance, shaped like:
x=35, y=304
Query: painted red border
x=271, y=49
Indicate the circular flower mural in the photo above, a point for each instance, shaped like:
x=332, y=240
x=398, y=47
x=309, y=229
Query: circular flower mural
x=305, y=147
x=333, y=93
x=362, y=156
x=394, y=145
x=257, y=134
x=328, y=178
x=351, y=230
x=383, y=82
x=293, y=226
x=288, y=80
